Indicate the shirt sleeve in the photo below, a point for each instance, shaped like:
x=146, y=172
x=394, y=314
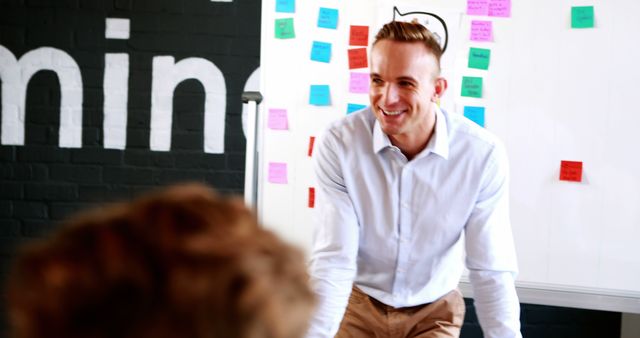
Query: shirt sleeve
x=491, y=256
x=335, y=241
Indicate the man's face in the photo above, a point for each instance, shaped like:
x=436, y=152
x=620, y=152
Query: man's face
x=404, y=87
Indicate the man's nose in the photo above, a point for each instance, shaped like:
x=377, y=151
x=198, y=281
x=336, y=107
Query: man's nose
x=390, y=95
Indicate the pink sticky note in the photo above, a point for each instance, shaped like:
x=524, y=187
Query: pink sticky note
x=277, y=173
x=359, y=83
x=477, y=7
x=481, y=30
x=278, y=119
x=500, y=8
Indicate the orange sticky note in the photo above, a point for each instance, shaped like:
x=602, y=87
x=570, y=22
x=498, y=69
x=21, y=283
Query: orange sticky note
x=359, y=36
x=312, y=140
x=358, y=58
x=571, y=171
x=312, y=197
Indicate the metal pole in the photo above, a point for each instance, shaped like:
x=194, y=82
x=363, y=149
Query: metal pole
x=252, y=162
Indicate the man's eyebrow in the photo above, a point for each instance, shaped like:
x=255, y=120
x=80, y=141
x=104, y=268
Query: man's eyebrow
x=406, y=78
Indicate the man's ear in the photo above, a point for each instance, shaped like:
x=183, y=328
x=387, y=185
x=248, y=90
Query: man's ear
x=440, y=88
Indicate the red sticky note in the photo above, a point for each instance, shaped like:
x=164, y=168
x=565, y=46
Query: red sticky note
x=359, y=36
x=312, y=140
x=571, y=171
x=312, y=197
x=358, y=58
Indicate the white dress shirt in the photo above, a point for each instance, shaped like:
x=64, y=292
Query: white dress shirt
x=397, y=228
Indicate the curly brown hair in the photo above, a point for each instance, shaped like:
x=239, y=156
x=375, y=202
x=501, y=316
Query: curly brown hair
x=182, y=262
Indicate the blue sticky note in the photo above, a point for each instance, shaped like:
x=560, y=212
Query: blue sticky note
x=351, y=107
x=319, y=95
x=321, y=51
x=286, y=6
x=328, y=18
x=475, y=114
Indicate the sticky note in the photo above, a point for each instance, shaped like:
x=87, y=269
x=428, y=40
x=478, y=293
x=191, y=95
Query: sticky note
x=277, y=119
x=582, y=17
x=359, y=83
x=475, y=114
x=479, y=58
x=353, y=107
x=571, y=171
x=284, y=29
x=312, y=140
x=472, y=86
x=358, y=58
x=319, y=95
x=286, y=6
x=481, y=31
x=277, y=173
x=321, y=51
x=477, y=7
x=359, y=36
x=312, y=197
x=328, y=18
x=500, y=8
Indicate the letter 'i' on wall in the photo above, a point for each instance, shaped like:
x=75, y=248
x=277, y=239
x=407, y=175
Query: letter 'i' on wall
x=116, y=87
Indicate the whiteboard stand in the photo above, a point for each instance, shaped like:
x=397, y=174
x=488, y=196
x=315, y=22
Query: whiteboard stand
x=252, y=162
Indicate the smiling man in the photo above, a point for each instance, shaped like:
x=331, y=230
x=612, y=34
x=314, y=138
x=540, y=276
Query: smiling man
x=405, y=191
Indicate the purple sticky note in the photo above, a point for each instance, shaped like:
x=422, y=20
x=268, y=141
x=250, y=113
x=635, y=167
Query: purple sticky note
x=481, y=30
x=278, y=119
x=477, y=7
x=277, y=173
x=500, y=8
x=359, y=83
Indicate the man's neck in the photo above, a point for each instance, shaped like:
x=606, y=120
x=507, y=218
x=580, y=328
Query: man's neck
x=412, y=145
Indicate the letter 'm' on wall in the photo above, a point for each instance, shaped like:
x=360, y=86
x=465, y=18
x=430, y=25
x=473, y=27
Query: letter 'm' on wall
x=15, y=77
x=166, y=76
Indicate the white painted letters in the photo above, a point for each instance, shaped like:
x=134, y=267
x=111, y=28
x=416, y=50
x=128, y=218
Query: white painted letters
x=116, y=91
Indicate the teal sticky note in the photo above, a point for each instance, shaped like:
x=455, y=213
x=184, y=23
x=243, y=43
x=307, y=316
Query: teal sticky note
x=472, y=86
x=479, y=58
x=284, y=29
x=319, y=95
x=286, y=6
x=352, y=107
x=582, y=17
x=321, y=51
x=475, y=114
x=328, y=18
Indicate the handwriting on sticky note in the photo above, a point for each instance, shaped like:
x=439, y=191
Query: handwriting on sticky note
x=479, y=58
x=472, y=86
x=359, y=83
x=582, y=17
x=475, y=114
x=284, y=29
x=353, y=107
x=312, y=197
x=277, y=119
x=359, y=36
x=358, y=58
x=312, y=140
x=328, y=18
x=319, y=95
x=321, y=51
x=500, y=8
x=277, y=173
x=571, y=171
x=285, y=6
x=477, y=7
x=481, y=31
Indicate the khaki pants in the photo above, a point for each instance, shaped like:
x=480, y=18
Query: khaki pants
x=367, y=317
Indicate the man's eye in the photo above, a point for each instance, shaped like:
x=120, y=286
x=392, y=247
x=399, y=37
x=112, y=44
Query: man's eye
x=376, y=81
x=405, y=84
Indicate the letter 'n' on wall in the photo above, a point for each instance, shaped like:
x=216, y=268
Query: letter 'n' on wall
x=166, y=76
x=15, y=76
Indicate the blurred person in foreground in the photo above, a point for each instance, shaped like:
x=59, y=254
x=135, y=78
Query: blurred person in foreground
x=182, y=262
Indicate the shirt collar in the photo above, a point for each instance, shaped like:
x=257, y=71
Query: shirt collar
x=438, y=144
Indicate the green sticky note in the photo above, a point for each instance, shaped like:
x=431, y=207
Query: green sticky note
x=479, y=58
x=284, y=29
x=582, y=17
x=472, y=86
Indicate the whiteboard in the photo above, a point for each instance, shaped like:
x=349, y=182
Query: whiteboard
x=551, y=93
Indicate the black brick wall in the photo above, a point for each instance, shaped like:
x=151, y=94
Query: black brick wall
x=40, y=183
